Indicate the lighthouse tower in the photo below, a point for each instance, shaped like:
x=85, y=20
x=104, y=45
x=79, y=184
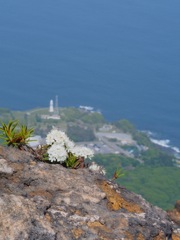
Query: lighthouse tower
x=51, y=107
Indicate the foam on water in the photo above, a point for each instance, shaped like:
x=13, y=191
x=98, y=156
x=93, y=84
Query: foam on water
x=164, y=143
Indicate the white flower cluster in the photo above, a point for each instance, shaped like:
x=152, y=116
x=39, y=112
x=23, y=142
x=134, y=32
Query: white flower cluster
x=60, y=138
x=79, y=151
x=57, y=153
x=94, y=167
x=61, y=145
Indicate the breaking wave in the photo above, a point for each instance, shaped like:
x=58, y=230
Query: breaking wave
x=166, y=143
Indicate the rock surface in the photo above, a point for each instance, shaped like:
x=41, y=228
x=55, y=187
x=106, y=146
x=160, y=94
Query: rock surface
x=41, y=201
x=175, y=213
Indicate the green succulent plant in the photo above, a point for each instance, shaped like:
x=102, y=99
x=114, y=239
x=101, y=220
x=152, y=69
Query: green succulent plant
x=15, y=135
x=118, y=173
x=71, y=161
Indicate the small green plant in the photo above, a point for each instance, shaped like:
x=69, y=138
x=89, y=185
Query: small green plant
x=118, y=173
x=15, y=135
x=73, y=162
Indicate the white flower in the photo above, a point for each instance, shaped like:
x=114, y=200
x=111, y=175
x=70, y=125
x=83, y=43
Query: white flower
x=56, y=136
x=79, y=151
x=94, y=167
x=69, y=144
x=57, y=153
x=59, y=137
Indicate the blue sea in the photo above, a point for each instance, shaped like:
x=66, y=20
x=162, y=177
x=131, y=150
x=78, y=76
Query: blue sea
x=121, y=57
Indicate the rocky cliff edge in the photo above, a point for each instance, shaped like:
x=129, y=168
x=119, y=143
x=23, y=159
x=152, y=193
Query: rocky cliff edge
x=41, y=201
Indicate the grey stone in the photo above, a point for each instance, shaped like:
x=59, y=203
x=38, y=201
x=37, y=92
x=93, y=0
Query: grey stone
x=40, y=201
x=4, y=168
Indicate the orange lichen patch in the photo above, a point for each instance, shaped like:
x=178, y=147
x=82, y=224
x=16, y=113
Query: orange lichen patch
x=175, y=236
x=17, y=166
x=100, y=229
x=140, y=237
x=102, y=237
x=77, y=232
x=98, y=225
x=174, y=215
x=40, y=192
x=77, y=212
x=32, y=163
x=160, y=236
x=128, y=236
x=48, y=217
x=115, y=201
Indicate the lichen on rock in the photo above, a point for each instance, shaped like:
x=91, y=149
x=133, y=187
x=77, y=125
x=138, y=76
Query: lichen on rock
x=47, y=201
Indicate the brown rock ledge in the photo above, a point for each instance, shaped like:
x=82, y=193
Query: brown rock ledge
x=40, y=201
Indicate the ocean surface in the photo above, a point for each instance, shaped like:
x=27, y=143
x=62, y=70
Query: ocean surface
x=121, y=57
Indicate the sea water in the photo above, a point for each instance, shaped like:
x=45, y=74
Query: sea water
x=121, y=57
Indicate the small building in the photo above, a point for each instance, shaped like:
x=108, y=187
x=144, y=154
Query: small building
x=53, y=111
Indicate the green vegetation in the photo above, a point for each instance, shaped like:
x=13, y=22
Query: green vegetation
x=125, y=126
x=71, y=114
x=156, y=157
x=118, y=173
x=80, y=134
x=15, y=135
x=74, y=115
x=71, y=161
x=93, y=118
x=4, y=111
x=159, y=185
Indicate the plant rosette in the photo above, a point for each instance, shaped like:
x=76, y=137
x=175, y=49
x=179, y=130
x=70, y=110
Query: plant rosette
x=15, y=135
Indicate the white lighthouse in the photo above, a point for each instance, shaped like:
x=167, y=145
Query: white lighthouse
x=51, y=107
